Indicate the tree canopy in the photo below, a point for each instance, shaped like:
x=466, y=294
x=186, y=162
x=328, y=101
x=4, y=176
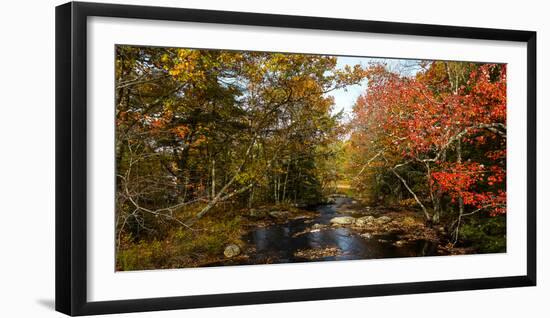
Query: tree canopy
x=207, y=134
x=439, y=135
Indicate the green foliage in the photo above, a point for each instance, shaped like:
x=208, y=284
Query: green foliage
x=486, y=234
x=143, y=255
x=182, y=247
x=212, y=240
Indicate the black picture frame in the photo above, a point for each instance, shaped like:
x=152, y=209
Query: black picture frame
x=71, y=157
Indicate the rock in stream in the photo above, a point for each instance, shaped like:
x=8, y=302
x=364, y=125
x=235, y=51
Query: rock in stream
x=342, y=220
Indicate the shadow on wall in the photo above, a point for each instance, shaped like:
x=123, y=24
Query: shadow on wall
x=48, y=303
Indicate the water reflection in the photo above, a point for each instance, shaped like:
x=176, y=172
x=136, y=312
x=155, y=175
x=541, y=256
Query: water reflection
x=278, y=243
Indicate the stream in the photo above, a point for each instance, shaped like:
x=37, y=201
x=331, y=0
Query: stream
x=279, y=243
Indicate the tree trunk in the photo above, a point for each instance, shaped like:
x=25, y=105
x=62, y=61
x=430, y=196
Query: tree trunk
x=278, y=188
x=460, y=198
x=297, y=184
x=251, y=198
x=438, y=209
x=426, y=214
x=213, y=178
x=286, y=180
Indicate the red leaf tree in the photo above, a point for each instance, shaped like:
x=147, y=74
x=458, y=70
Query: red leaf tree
x=447, y=121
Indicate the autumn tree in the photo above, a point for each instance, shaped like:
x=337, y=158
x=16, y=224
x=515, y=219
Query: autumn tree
x=201, y=127
x=438, y=135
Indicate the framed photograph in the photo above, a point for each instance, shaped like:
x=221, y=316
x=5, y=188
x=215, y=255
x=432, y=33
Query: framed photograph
x=208, y=158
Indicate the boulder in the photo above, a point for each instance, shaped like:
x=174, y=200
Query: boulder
x=365, y=220
x=383, y=220
x=278, y=214
x=317, y=226
x=232, y=250
x=347, y=211
x=337, y=195
x=300, y=205
x=366, y=235
x=399, y=243
x=343, y=220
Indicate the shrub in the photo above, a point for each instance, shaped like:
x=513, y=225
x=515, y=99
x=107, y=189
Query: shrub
x=487, y=234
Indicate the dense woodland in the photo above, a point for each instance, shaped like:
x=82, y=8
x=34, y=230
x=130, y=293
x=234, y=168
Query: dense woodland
x=203, y=137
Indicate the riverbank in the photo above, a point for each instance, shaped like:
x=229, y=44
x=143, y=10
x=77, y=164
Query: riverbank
x=341, y=229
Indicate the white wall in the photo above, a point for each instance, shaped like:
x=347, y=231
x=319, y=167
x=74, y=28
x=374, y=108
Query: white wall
x=27, y=158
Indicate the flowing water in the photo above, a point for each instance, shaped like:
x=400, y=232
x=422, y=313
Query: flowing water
x=279, y=243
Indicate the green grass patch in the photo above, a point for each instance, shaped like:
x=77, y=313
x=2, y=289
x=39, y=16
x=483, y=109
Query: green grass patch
x=182, y=247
